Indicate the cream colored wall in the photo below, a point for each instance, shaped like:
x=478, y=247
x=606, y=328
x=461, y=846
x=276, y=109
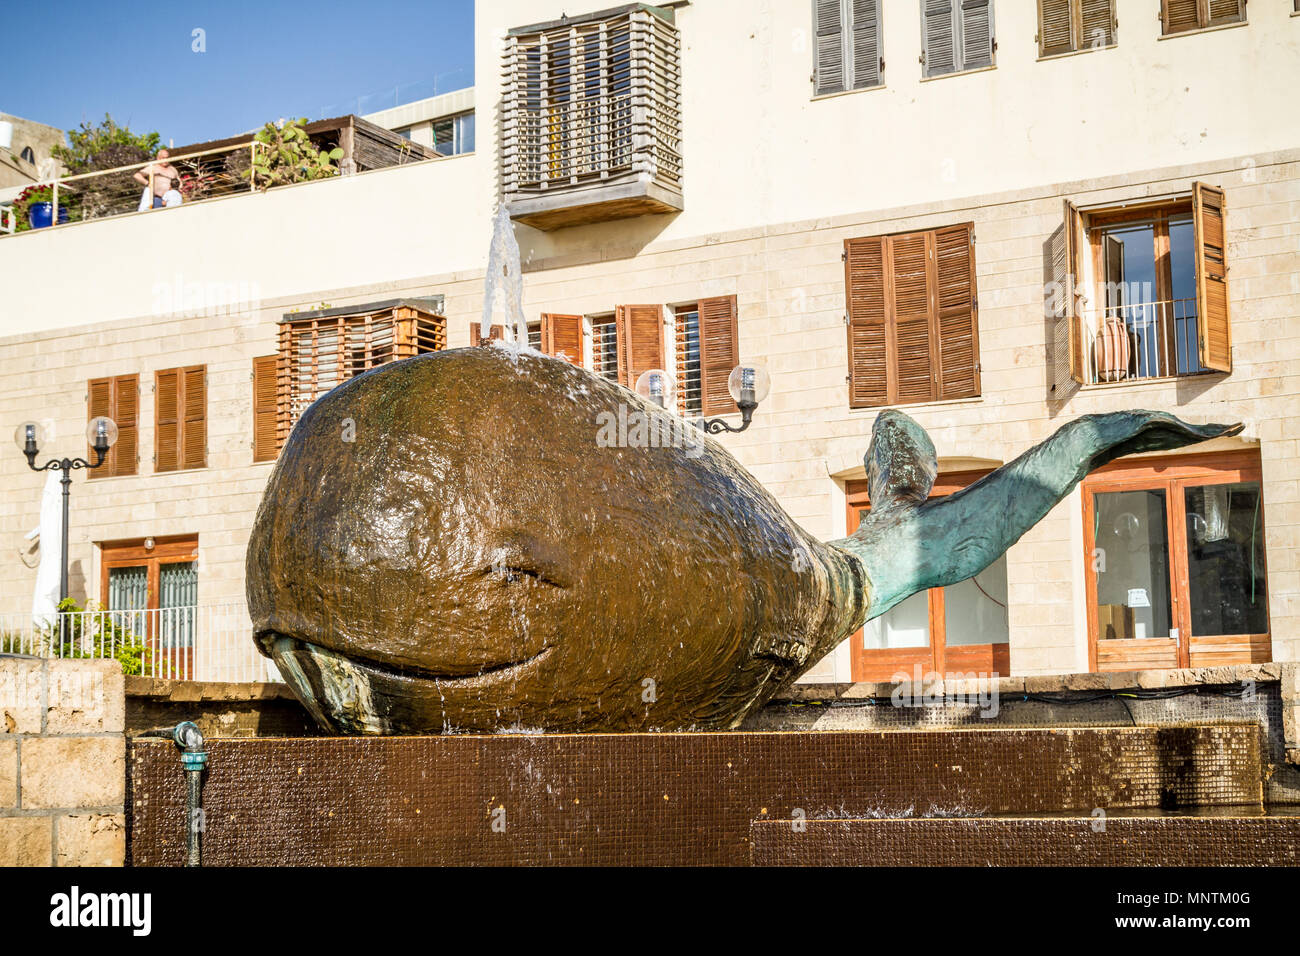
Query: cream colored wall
x=758, y=149
x=379, y=226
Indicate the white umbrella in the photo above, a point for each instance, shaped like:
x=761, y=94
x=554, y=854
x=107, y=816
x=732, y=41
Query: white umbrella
x=45, y=600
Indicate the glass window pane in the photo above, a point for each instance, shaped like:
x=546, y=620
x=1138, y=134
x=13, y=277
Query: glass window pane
x=128, y=588
x=465, y=133
x=443, y=136
x=178, y=593
x=975, y=610
x=689, y=396
x=1182, y=277
x=1132, y=564
x=904, y=625
x=1225, y=559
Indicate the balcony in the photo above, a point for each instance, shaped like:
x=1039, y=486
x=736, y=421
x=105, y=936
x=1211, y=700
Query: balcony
x=1140, y=341
x=591, y=125
x=198, y=643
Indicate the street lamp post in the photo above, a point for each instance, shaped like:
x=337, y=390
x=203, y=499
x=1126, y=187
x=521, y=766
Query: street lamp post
x=101, y=433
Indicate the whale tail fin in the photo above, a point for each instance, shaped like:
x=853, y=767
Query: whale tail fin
x=908, y=543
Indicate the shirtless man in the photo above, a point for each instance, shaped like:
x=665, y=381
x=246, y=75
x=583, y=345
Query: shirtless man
x=162, y=173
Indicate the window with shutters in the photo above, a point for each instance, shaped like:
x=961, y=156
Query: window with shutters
x=118, y=398
x=956, y=36
x=1147, y=289
x=846, y=52
x=1181, y=16
x=591, y=117
x=322, y=349
x=180, y=418
x=1069, y=26
x=913, y=317
x=707, y=351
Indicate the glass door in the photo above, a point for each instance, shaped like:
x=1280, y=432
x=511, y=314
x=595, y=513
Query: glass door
x=150, y=587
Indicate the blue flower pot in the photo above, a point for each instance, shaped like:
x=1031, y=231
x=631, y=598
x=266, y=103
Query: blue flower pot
x=41, y=214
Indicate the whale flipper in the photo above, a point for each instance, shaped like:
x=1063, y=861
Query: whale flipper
x=908, y=544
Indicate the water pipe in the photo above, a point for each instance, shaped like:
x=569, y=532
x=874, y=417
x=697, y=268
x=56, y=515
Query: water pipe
x=194, y=759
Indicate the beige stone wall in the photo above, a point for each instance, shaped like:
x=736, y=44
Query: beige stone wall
x=806, y=441
x=62, y=763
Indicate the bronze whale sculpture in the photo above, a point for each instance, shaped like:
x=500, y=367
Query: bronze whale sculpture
x=450, y=543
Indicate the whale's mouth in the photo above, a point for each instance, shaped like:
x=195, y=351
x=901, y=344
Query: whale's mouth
x=281, y=644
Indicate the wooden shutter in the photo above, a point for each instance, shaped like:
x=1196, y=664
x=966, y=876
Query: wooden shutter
x=958, y=308
x=194, y=427
x=976, y=34
x=938, y=34
x=1054, y=27
x=719, y=353
x=640, y=340
x=1180, y=15
x=1078, y=351
x=167, y=427
x=562, y=336
x=865, y=37
x=828, y=70
x=1214, y=334
x=1096, y=23
x=864, y=282
x=180, y=418
x=1224, y=11
x=476, y=333
x=910, y=274
x=117, y=398
x=265, y=443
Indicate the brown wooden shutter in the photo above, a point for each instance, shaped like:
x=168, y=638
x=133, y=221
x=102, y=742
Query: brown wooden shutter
x=1054, y=33
x=1224, y=11
x=1095, y=23
x=194, y=428
x=719, y=353
x=909, y=271
x=864, y=280
x=116, y=398
x=126, y=413
x=640, y=340
x=1214, y=333
x=958, y=308
x=1180, y=15
x=265, y=443
x=562, y=336
x=476, y=333
x=1078, y=353
x=167, y=427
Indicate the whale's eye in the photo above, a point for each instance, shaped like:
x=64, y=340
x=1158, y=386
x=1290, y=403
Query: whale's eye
x=515, y=565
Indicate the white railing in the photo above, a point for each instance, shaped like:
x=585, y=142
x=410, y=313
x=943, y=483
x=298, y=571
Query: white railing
x=207, y=174
x=205, y=643
x=1144, y=340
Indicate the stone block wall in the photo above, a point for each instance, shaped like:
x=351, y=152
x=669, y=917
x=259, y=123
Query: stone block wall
x=62, y=763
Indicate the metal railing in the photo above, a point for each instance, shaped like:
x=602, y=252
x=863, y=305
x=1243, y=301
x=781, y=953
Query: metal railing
x=1142, y=340
x=204, y=643
x=207, y=174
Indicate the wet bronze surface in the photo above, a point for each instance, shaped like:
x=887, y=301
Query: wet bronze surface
x=450, y=543
x=649, y=798
x=1123, y=841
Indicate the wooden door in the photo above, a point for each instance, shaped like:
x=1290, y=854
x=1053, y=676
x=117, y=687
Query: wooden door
x=152, y=594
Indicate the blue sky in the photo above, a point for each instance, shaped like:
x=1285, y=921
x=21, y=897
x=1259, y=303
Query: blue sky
x=262, y=61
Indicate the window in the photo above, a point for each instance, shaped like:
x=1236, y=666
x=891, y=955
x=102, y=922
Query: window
x=1147, y=288
x=847, y=53
x=404, y=132
x=604, y=347
x=707, y=351
x=180, y=418
x=119, y=399
x=150, y=587
x=28, y=155
x=913, y=321
x=322, y=349
x=1174, y=552
x=1065, y=26
x=552, y=334
x=453, y=135
x=265, y=410
x=1180, y=16
x=957, y=35
x=961, y=628
x=592, y=106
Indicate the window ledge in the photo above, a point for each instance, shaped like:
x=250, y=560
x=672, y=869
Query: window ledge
x=944, y=76
x=940, y=403
x=1090, y=49
x=831, y=96
x=1141, y=382
x=1199, y=30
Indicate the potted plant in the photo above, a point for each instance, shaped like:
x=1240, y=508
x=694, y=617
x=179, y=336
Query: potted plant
x=34, y=208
